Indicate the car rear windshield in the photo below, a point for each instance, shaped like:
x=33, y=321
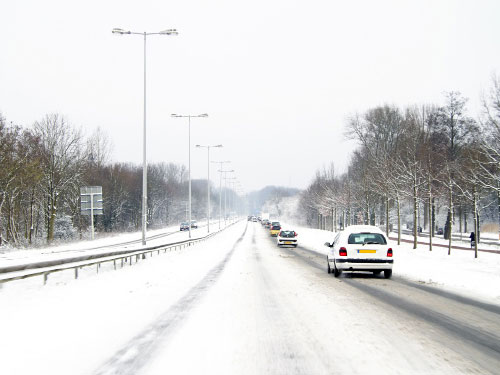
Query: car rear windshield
x=287, y=233
x=276, y=227
x=367, y=238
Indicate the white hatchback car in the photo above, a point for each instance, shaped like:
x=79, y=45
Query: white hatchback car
x=287, y=237
x=360, y=248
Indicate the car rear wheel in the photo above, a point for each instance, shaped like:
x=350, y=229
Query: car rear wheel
x=328, y=264
x=336, y=271
x=387, y=274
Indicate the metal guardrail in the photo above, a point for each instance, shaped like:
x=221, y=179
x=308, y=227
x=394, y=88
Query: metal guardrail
x=44, y=269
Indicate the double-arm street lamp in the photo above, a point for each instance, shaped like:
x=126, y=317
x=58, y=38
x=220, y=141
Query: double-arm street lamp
x=220, y=187
x=144, y=163
x=208, y=181
x=225, y=192
x=189, y=157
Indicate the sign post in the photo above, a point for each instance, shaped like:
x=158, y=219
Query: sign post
x=91, y=204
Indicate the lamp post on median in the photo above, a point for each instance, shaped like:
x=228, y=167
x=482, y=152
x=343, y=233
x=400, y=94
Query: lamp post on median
x=230, y=179
x=208, y=182
x=220, y=187
x=189, y=157
x=225, y=192
x=144, y=162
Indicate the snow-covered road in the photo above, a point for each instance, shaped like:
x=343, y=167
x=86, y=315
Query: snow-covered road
x=237, y=304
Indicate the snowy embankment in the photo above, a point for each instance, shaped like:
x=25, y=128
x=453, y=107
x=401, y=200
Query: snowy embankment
x=119, y=242
x=458, y=272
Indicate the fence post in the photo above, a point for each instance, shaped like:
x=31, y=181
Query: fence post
x=45, y=277
x=76, y=272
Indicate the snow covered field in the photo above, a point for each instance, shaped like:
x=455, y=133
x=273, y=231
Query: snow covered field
x=458, y=272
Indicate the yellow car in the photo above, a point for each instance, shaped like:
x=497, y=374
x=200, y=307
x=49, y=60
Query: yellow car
x=275, y=228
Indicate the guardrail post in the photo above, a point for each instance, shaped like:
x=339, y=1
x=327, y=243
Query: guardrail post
x=45, y=277
x=114, y=264
x=76, y=272
x=122, y=262
x=131, y=260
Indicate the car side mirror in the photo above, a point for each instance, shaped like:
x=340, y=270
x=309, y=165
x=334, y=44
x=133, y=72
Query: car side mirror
x=327, y=244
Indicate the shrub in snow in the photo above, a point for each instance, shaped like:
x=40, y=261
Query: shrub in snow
x=64, y=229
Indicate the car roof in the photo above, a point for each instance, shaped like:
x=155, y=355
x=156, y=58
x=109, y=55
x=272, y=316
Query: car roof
x=362, y=228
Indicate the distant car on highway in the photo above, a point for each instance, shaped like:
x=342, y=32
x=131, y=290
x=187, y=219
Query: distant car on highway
x=360, y=248
x=440, y=231
x=275, y=228
x=184, y=226
x=194, y=224
x=286, y=237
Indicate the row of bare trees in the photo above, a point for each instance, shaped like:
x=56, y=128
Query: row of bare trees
x=428, y=158
x=44, y=166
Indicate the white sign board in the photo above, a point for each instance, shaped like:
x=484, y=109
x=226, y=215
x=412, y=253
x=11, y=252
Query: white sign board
x=91, y=200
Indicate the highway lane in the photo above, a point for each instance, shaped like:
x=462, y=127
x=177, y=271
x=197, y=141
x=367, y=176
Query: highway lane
x=271, y=310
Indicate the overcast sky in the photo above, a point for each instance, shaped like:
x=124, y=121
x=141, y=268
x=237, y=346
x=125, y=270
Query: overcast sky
x=277, y=78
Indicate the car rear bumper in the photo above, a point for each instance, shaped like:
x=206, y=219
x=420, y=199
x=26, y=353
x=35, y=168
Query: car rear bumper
x=283, y=242
x=363, y=264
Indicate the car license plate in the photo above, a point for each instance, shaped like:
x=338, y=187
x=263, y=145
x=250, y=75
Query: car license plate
x=367, y=251
x=288, y=242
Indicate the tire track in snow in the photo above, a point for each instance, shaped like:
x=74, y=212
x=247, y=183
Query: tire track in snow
x=285, y=349
x=138, y=351
x=477, y=344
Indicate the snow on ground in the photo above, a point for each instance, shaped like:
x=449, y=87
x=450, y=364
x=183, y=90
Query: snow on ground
x=458, y=272
x=71, y=326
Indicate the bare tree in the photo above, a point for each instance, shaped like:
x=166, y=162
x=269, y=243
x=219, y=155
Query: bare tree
x=62, y=161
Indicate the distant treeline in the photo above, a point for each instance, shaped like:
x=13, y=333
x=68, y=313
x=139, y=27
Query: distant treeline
x=43, y=167
x=428, y=157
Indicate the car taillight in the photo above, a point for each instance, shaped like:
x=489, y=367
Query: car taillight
x=389, y=253
x=343, y=252
x=295, y=234
x=279, y=234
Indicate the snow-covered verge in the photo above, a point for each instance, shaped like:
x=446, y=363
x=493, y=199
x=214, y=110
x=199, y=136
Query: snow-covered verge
x=72, y=326
x=118, y=242
x=459, y=272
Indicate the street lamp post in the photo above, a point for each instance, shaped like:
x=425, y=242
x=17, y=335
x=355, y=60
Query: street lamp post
x=220, y=187
x=189, y=157
x=225, y=193
x=232, y=181
x=144, y=162
x=208, y=182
